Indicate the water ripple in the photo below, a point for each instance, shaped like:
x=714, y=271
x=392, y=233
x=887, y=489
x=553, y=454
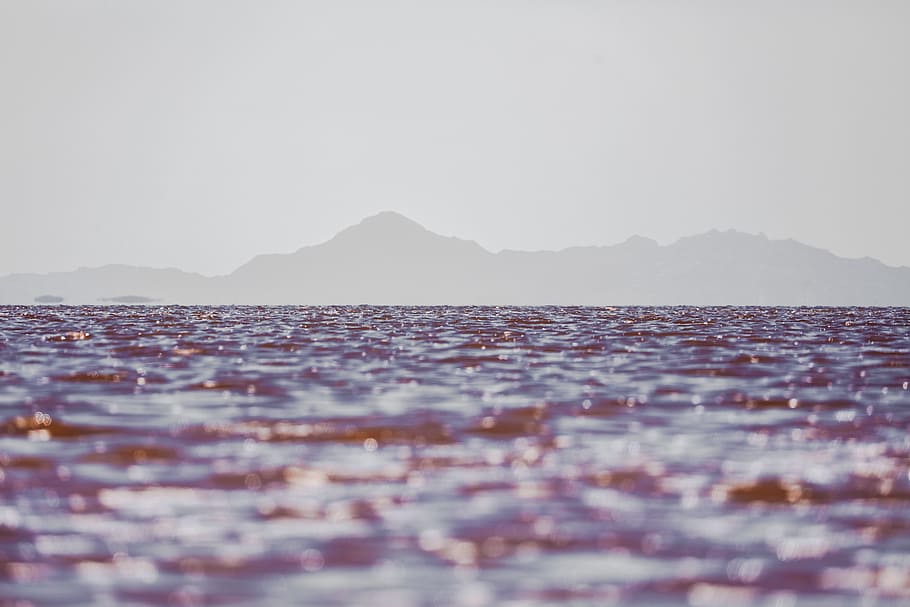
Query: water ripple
x=470, y=456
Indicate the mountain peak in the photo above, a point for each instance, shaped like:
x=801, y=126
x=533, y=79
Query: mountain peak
x=389, y=219
x=393, y=233
x=640, y=241
x=387, y=224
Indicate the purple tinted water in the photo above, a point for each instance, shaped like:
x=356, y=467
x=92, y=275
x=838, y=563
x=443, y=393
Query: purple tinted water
x=464, y=456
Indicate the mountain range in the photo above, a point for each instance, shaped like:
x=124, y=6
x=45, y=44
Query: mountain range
x=390, y=259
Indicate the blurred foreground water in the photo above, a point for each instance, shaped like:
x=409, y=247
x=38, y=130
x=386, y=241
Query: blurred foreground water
x=454, y=456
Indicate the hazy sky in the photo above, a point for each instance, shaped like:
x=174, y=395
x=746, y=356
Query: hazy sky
x=200, y=133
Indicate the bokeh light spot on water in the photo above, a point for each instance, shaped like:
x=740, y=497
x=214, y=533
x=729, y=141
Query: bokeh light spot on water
x=471, y=456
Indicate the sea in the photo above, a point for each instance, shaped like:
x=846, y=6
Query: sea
x=468, y=456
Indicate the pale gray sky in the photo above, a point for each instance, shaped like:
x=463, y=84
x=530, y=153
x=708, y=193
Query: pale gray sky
x=197, y=134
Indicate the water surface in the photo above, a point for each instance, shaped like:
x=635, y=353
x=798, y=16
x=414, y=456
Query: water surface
x=454, y=456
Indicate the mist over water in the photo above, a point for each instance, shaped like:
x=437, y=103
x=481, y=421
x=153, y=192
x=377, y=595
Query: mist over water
x=471, y=456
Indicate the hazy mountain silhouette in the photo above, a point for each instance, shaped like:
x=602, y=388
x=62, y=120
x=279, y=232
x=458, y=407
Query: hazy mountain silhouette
x=389, y=259
x=94, y=285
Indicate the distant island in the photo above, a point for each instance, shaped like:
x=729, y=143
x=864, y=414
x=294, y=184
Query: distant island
x=48, y=299
x=390, y=259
